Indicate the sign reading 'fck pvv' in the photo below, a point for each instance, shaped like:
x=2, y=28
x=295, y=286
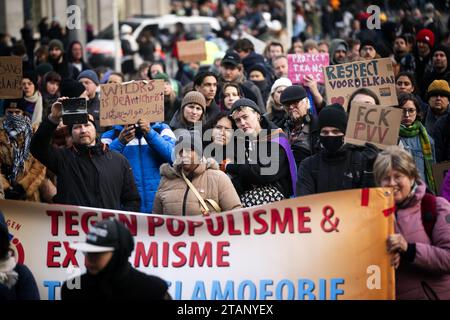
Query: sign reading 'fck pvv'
x=374, y=124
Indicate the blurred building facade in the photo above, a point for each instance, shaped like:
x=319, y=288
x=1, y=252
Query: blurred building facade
x=98, y=13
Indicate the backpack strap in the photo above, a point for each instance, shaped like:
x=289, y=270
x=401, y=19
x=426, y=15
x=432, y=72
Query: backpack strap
x=428, y=212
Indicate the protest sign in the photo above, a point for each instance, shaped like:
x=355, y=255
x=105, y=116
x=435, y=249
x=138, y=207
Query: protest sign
x=325, y=246
x=191, y=51
x=375, y=124
x=376, y=75
x=10, y=77
x=439, y=172
x=307, y=64
x=126, y=103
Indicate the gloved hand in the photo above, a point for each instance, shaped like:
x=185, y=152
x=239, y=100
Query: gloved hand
x=15, y=192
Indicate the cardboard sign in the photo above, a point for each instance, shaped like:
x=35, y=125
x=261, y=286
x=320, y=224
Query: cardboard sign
x=376, y=75
x=126, y=103
x=306, y=64
x=375, y=124
x=324, y=246
x=439, y=172
x=10, y=78
x=191, y=51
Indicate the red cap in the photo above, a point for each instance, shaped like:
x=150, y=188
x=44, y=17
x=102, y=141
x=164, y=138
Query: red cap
x=427, y=36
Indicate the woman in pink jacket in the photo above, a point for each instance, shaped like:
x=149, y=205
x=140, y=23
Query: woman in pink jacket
x=422, y=262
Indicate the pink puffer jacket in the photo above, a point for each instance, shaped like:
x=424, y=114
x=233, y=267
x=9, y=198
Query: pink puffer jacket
x=428, y=276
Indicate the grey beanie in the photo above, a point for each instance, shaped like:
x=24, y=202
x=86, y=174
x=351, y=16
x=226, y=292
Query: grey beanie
x=89, y=74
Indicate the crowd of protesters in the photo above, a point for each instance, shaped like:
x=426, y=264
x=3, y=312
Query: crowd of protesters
x=206, y=155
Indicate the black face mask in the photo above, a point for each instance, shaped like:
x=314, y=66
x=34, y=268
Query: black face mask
x=261, y=84
x=332, y=143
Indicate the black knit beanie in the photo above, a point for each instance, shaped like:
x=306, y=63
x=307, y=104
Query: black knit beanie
x=71, y=88
x=333, y=115
x=244, y=102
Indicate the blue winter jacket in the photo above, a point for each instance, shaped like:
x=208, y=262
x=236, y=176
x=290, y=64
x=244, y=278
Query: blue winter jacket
x=145, y=156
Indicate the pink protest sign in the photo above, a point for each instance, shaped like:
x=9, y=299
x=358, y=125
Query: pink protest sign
x=307, y=64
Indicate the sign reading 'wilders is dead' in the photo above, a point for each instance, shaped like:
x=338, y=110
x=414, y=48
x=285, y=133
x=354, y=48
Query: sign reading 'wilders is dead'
x=374, y=124
x=376, y=75
x=10, y=77
x=126, y=103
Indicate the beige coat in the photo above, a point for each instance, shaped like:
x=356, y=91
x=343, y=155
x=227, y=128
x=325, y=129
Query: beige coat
x=175, y=198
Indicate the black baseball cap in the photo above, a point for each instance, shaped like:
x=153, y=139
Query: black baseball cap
x=232, y=58
x=102, y=237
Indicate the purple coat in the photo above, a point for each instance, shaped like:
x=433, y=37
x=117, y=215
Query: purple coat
x=445, y=188
x=429, y=274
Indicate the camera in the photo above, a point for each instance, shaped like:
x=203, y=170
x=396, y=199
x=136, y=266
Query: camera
x=74, y=111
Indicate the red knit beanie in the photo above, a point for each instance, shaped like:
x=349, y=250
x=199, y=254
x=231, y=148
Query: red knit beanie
x=427, y=36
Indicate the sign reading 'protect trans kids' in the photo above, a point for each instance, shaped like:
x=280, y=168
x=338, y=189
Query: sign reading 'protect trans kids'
x=328, y=246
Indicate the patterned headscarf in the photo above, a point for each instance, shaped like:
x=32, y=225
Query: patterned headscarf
x=14, y=126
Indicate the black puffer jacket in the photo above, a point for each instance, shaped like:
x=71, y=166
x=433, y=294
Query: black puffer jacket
x=349, y=168
x=93, y=177
x=118, y=280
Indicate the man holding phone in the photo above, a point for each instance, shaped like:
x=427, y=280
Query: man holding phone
x=88, y=173
x=146, y=147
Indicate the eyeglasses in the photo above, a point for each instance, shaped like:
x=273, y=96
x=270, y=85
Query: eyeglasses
x=409, y=111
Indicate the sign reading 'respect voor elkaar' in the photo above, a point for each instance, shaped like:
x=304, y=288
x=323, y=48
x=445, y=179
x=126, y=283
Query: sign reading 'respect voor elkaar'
x=127, y=103
x=376, y=75
x=324, y=246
